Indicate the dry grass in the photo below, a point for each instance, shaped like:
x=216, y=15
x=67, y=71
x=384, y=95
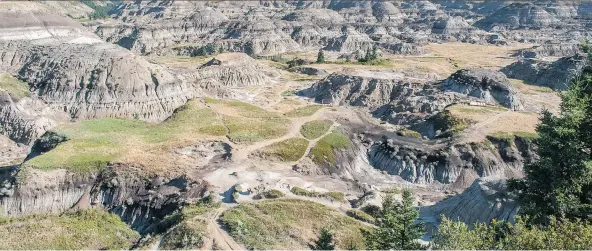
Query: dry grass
x=91, y=229
x=289, y=224
x=305, y=111
x=94, y=143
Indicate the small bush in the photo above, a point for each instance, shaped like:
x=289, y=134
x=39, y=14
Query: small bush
x=272, y=194
x=335, y=196
x=304, y=192
x=409, y=133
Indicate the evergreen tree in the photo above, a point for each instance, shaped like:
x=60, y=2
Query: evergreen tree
x=396, y=226
x=560, y=183
x=374, y=55
x=325, y=241
x=320, y=57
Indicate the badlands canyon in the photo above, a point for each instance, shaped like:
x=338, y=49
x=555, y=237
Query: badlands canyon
x=255, y=124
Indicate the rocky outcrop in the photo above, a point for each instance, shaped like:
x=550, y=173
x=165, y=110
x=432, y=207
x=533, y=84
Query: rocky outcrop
x=23, y=122
x=139, y=198
x=518, y=16
x=231, y=70
x=401, y=99
x=486, y=199
x=310, y=71
x=450, y=26
x=72, y=70
x=550, y=50
x=452, y=164
x=557, y=75
x=488, y=85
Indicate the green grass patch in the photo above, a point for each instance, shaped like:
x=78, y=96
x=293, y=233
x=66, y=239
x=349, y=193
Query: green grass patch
x=90, y=229
x=360, y=215
x=289, y=224
x=316, y=128
x=305, y=111
x=94, y=143
x=409, y=133
x=247, y=130
x=288, y=150
x=15, y=88
x=324, y=151
x=288, y=93
x=510, y=136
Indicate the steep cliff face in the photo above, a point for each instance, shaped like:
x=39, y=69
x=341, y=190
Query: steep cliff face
x=486, y=199
x=453, y=164
x=139, y=198
x=557, y=75
x=73, y=70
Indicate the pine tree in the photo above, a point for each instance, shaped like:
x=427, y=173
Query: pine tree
x=560, y=183
x=325, y=241
x=321, y=57
x=374, y=55
x=396, y=226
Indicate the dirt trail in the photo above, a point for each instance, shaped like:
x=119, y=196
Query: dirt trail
x=218, y=237
x=294, y=131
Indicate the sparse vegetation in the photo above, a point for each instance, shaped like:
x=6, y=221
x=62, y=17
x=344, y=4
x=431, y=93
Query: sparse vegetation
x=324, y=151
x=334, y=196
x=288, y=93
x=360, y=215
x=305, y=111
x=288, y=150
x=191, y=228
x=15, y=88
x=316, y=128
x=288, y=224
x=90, y=229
